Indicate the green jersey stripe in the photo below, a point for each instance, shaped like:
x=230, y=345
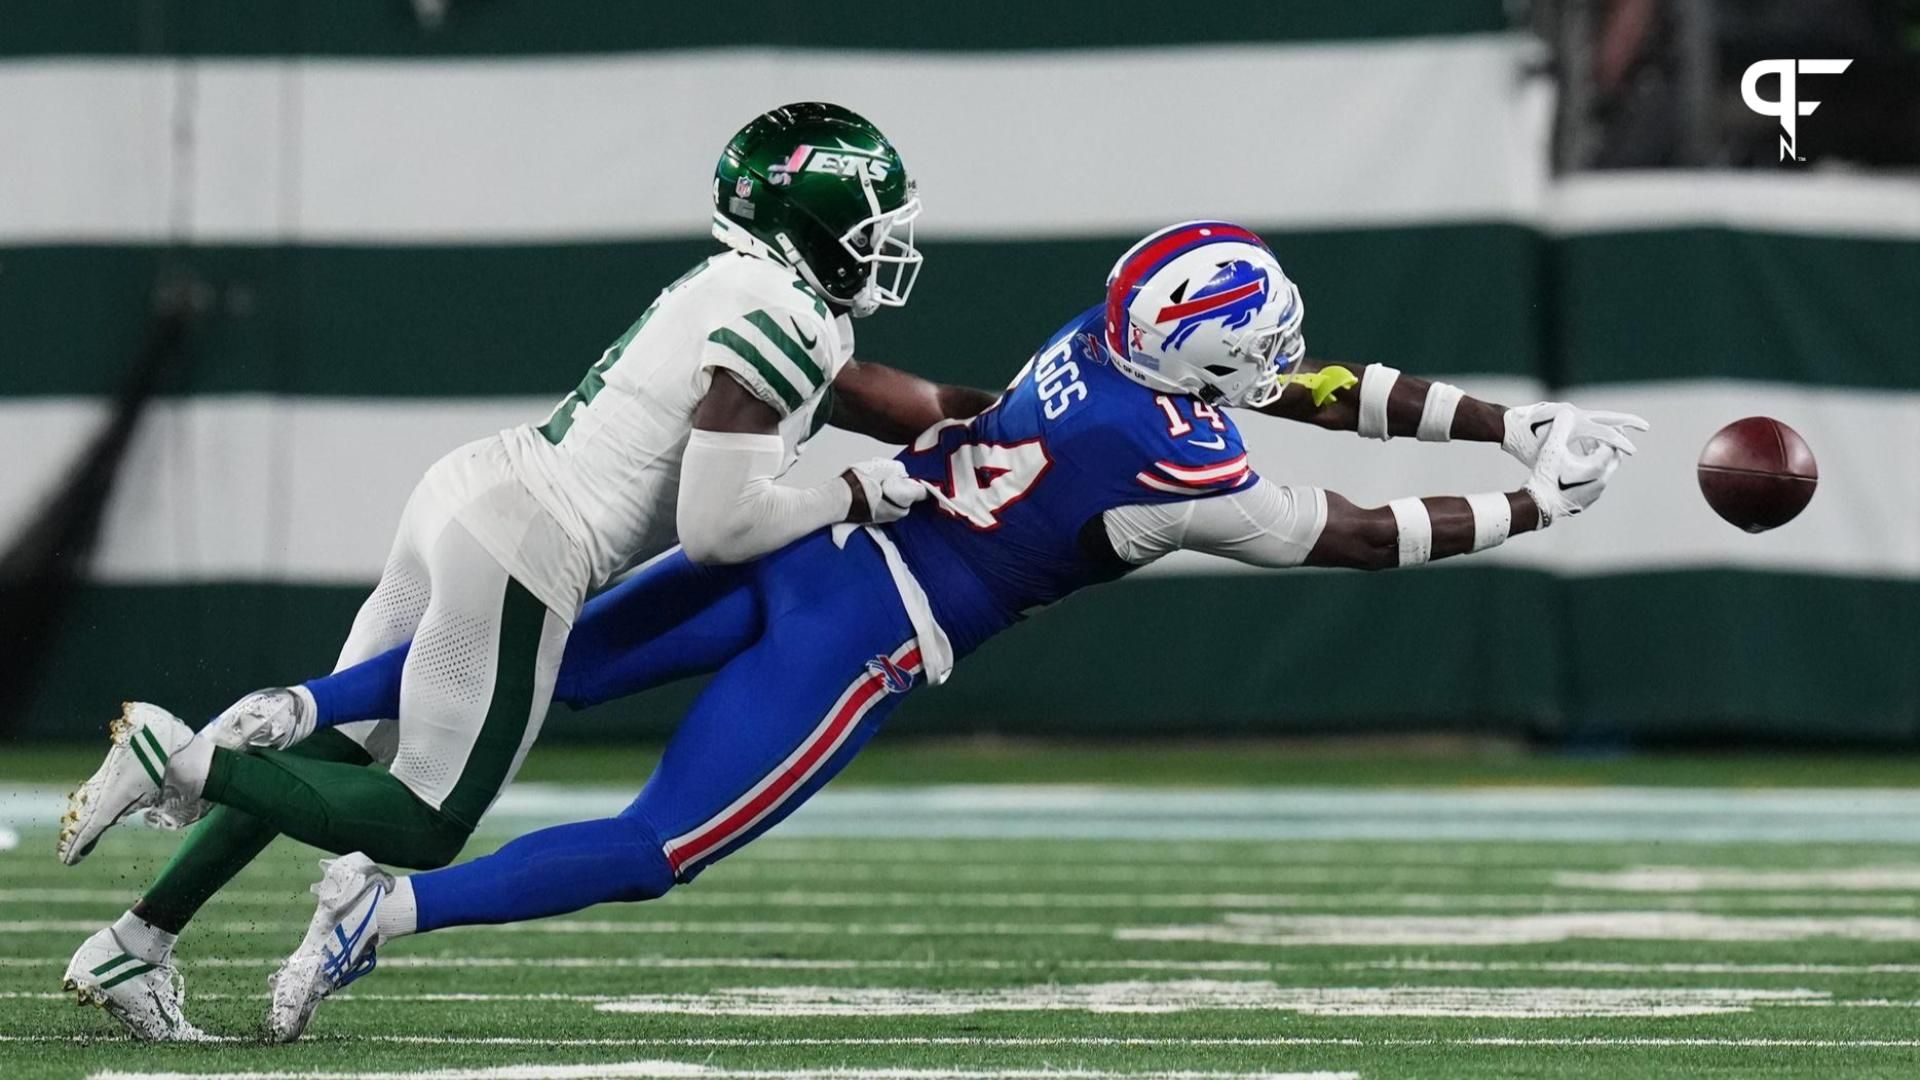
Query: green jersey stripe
x=130, y=973
x=785, y=342
x=141, y=756
x=111, y=964
x=751, y=355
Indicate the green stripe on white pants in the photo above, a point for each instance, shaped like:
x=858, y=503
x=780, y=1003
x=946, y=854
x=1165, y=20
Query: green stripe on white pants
x=480, y=674
x=473, y=695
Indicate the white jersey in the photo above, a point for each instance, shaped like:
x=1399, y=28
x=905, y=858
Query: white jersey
x=605, y=465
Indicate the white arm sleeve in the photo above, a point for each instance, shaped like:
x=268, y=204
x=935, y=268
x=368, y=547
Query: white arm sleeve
x=1263, y=525
x=730, y=509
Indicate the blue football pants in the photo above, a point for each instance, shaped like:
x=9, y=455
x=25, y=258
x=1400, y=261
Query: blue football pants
x=810, y=650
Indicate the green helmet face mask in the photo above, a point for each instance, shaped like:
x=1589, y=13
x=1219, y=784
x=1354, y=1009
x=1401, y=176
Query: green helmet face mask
x=817, y=187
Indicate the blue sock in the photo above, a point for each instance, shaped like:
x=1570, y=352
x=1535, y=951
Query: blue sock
x=369, y=690
x=550, y=872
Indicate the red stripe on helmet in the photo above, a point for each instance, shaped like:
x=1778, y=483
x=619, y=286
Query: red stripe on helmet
x=1152, y=255
x=1207, y=303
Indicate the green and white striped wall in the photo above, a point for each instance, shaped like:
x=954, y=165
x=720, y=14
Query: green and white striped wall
x=419, y=236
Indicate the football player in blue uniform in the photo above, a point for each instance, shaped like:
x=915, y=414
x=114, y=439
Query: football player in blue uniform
x=1110, y=449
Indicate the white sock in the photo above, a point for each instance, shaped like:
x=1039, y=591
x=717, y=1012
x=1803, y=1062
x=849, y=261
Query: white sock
x=397, y=917
x=187, y=768
x=143, y=939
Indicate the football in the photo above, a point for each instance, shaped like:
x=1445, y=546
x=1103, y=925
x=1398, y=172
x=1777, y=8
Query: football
x=1757, y=473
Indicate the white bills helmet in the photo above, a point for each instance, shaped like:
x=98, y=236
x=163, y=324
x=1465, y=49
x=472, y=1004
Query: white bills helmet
x=1203, y=308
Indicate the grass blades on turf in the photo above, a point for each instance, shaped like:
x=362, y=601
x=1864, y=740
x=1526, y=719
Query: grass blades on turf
x=1391, y=956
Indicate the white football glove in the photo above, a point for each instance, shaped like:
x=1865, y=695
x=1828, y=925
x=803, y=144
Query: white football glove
x=1526, y=430
x=890, y=492
x=1566, y=482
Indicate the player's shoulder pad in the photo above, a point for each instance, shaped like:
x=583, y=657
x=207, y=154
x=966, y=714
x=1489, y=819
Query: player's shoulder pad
x=1184, y=447
x=774, y=334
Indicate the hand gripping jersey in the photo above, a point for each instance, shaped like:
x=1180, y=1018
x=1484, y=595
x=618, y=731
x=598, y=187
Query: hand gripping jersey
x=606, y=464
x=1022, y=487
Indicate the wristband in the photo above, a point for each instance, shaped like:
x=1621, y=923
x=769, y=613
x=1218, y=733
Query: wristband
x=1416, y=530
x=1492, y=519
x=1539, y=505
x=1376, y=385
x=1436, y=417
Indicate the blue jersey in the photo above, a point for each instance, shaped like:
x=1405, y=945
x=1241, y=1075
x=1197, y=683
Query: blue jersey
x=1022, y=487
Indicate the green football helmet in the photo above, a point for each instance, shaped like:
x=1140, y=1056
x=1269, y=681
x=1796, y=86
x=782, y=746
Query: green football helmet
x=818, y=188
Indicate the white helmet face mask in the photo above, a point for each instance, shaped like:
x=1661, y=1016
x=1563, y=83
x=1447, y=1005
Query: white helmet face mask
x=1220, y=321
x=883, y=244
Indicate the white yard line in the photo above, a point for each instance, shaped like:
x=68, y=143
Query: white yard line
x=890, y=929
x=1594, y=967
x=1690, y=879
x=1138, y=997
x=1154, y=855
x=122, y=896
x=687, y=900
x=591, y=926
x=1422, y=901
x=1233, y=928
x=1461, y=930
x=678, y=1070
x=1132, y=815
x=978, y=873
x=1192, y=995
x=1045, y=1042
x=1194, y=967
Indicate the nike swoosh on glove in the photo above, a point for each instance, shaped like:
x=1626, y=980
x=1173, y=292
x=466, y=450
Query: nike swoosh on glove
x=1526, y=426
x=1566, y=482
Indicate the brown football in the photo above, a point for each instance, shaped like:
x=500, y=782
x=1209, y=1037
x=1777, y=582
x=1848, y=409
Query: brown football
x=1757, y=473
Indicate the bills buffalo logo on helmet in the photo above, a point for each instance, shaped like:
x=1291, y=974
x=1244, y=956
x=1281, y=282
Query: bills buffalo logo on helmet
x=1235, y=294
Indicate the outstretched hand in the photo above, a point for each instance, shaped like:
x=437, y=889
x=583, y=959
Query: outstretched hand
x=1526, y=427
x=1567, y=477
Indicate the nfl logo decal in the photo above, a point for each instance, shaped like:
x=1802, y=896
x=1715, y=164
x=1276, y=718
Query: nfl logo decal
x=897, y=679
x=743, y=187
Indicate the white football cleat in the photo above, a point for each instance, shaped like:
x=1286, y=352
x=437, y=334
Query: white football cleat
x=145, y=738
x=339, y=946
x=271, y=719
x=145, y=997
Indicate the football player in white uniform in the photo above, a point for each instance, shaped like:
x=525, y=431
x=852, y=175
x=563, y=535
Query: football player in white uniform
x=676, y=434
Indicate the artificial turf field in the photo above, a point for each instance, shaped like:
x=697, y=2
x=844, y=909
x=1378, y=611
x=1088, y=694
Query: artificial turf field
x=1514, y=917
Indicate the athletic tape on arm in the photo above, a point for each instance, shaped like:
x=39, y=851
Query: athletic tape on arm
x=1416, y=530
x=1436, y=416
x=1376, y=385
x=1492, y=519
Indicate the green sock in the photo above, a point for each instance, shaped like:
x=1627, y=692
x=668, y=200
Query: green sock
x=336, y=806
x=223, y=843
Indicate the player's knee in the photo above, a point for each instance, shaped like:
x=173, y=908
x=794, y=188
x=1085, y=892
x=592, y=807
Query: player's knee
x=645, y=872
x=441, y=844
